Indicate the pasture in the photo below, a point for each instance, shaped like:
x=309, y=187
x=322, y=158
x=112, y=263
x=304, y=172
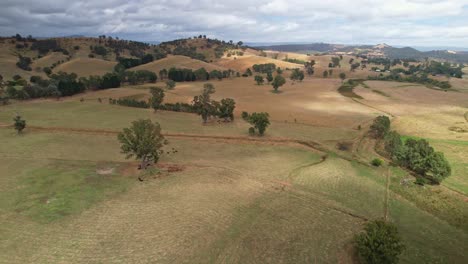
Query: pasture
x=68, y=195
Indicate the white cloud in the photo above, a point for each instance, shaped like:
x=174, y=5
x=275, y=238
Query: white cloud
x=360, y=21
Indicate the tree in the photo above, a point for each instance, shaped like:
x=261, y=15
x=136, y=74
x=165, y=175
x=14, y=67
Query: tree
x=380, y=127
x=342, y=76
x=278, y=81
x=19, y=123
x=163, y=74
x=269, y=77
x=259, y=79
x=157, y=97
x=310, y=67
x=143, y=140
x=379, y=244
x=260, y=121
x=170, y=84
x=336, y=61
x=226, y=109
x=297, y=75
x=325, y=74
x=203, y=104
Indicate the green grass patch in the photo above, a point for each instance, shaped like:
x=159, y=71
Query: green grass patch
x=58, y=189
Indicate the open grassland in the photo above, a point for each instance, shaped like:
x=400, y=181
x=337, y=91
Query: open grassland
x=68, y=195
x=177, y=61
x=62, y=114
x=241, y=63
x=238, y=202
x=85, y=67
x=48, y=60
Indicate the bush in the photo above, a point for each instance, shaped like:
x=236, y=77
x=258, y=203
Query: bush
x=380, y=127
x=380, y=243
x=377, y=162
x=244, y=115
x=251, y=131
x=24, y=63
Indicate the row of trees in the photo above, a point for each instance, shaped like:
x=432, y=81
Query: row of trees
x=188, y=75
x=415, y=78
x=207, y=107
x=414, y=154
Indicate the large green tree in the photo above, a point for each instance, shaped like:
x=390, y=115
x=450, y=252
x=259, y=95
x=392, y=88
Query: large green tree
x=226, y=109
x=142, y=140
x=380, y=243
x=260, y=121
x=203, y=104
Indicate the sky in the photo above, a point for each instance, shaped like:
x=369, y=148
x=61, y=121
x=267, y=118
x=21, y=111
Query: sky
x=395, y=22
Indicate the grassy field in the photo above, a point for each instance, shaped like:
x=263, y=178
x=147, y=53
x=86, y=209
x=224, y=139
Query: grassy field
x=86, y=66
x=178, y=62
x=239, y=202
x=67, y=194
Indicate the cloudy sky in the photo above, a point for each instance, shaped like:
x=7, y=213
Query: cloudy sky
x=396, y=22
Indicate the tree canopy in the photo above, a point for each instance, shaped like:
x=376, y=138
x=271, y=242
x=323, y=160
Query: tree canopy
x=142, y=140
x=380, y=243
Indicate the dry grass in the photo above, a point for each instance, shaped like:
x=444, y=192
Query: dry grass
x=247, y=61
x=178, y=62
x=86, y=66
x=48, y=60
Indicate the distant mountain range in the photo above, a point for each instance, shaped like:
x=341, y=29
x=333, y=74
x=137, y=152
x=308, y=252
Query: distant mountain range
x=460, y=55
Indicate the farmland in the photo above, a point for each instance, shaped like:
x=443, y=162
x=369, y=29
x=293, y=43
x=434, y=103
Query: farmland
x=299, y=194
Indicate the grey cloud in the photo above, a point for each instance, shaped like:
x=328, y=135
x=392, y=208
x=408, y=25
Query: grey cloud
x=358, y=21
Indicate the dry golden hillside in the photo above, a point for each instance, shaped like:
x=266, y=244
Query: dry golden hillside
x=86, y=66
x=177, y=62
x=241, y=63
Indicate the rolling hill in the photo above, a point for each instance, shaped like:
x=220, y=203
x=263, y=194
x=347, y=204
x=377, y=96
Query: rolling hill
x=84, y=67
x=177, y=61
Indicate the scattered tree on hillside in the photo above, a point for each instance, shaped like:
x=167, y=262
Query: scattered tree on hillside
x=297, y=75
x=269, y=77
x=143, y=140
x=19, y=123
x=342, y=76
x=226, y=109
x=170, y=84
x=260, y=122
x=259, y=79
x=278, y=81
x=354, y=66
x=163, y=74
x=310, y=67
x=336, y=61
x=157, y=97
x=325, y=74
x=24, y=63
x=379, y=244
x=203, y=103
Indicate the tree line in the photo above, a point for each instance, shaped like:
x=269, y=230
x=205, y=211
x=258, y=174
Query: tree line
x=414, y=154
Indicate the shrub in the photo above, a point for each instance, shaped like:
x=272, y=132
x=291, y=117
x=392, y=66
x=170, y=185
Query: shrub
x=380, y=127
x=244, y=115
x=251, y=131
x=380, y=243
x=377, y=162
